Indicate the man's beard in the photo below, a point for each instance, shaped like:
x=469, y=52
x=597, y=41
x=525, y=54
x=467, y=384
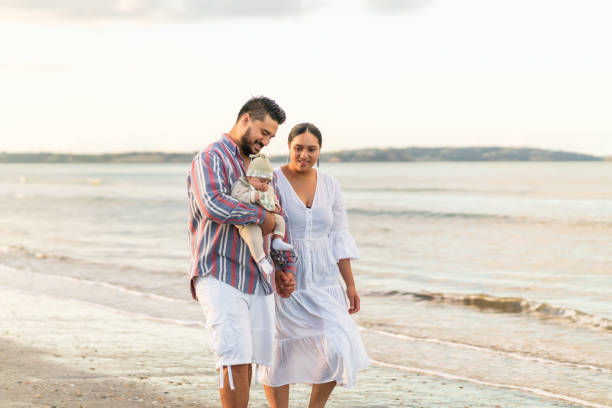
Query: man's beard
x=246, y=144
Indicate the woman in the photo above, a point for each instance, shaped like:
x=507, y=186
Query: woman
x=316, y=341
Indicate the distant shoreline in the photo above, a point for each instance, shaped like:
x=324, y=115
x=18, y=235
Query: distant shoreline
x=408, y=154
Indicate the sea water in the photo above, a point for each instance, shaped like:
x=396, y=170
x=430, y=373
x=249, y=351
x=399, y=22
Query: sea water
x=497, y=274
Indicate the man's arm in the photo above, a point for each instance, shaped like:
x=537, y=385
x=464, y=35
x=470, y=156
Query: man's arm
x=243, y=193
x=210, y=193
x=267, y=227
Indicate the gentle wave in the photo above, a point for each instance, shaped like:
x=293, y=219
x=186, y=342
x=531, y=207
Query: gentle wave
x=164, y=285
x=532, y=390
x=119, y=288
x=33, y=254
x=468, y=191
x=493, y=350
x=421, y=190
x=369, y=212
x=92, y=181
x=507, y=305
x=113, y=286
x=177, y=322
x=428, y=214
x=482, y=301
x=483, y=191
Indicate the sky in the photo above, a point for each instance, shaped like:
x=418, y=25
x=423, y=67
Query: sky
x=147, y=75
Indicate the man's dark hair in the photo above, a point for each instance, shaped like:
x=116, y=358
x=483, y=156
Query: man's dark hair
x=303, y=128
x=259, y=106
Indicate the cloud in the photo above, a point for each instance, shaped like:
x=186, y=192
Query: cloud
x=394, y=6
x=180, y=9
x=154, y=9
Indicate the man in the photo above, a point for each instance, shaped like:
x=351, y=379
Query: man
x=225, y=280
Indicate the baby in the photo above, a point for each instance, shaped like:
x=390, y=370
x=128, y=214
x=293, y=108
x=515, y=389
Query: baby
x=255, y=188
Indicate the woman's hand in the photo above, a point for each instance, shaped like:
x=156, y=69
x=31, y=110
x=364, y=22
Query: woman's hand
x=353, y=297
x=285, y=283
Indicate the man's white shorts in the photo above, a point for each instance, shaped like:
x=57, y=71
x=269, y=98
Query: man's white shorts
x=240, y=326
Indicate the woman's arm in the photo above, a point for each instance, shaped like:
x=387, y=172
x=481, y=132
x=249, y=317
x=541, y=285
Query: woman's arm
x=344, y=248
x=351, y=291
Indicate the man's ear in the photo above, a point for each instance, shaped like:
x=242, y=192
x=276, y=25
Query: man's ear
x=244, y=120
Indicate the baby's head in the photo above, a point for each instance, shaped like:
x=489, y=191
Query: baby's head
x=260, y=171
x=259, y=183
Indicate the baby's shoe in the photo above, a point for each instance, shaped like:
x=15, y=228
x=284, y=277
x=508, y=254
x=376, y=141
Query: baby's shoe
x=281, y=258
x=281, y=245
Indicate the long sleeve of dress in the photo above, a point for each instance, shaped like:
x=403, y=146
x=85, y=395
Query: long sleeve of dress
x=342, y=242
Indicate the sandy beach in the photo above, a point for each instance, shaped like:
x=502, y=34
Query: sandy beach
x=67, y=353
x=27, y=380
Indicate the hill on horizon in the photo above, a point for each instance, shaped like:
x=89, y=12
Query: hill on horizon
x=492, y=153
x=406, y=154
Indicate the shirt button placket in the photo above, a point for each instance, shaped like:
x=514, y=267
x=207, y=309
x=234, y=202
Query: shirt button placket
x=310, y=274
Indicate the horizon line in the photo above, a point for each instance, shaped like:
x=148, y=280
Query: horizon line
x=123, y=152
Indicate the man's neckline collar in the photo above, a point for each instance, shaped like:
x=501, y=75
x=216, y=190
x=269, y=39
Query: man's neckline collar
x=232, y=145
x=227, y=140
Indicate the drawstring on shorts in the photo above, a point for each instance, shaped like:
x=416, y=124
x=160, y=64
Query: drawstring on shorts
x=229, y=374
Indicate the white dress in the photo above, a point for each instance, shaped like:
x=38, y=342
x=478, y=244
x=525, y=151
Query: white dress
x=316, y=341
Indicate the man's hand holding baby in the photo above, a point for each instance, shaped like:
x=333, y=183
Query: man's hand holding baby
x=269, y=223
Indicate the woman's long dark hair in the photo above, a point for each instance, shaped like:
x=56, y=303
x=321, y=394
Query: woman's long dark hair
x=303, y=128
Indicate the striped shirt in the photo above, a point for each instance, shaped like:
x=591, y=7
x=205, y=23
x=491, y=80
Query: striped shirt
x=216, y=246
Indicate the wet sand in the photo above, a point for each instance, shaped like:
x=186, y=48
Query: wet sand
x=27, y=380
x=67, y=353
